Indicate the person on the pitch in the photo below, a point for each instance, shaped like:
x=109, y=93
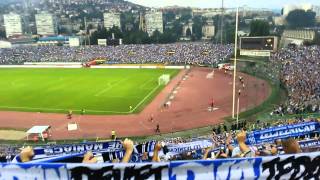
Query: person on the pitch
x=212, y=103
x=69, y=116
x=240, y=79
x=151, y=118
x=113, y=135
x=158, y=128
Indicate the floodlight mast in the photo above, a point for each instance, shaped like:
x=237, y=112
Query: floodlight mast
x=235, y=64
x=222, y=23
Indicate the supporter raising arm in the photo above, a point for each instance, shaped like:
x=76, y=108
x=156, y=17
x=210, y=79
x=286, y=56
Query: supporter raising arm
x=89, y=158
x=26, y=154
x=156, y=150
x=243, y=150
x=241, y=138
x=128, y=146
x=291, y=146
x=206, y=153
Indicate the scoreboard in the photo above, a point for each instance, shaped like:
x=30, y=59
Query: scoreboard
x=258, y=46
x=109, y=42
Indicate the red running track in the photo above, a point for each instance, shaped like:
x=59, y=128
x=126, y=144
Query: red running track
x=189, y=109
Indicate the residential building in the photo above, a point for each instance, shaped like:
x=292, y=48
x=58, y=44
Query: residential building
x=153, y=22
x=46, y=24
x=111, y=19
x=208, y=30
x=13, y=24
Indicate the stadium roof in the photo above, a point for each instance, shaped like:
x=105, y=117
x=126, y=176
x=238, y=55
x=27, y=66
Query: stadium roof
x=55, y=38
x=37, y=129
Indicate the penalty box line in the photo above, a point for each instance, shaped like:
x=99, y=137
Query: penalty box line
x=147, y=96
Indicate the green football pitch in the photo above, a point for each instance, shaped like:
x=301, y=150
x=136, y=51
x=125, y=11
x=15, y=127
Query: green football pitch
x=97, y=91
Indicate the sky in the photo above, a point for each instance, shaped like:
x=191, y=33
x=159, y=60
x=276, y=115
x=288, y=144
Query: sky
x=270, y=4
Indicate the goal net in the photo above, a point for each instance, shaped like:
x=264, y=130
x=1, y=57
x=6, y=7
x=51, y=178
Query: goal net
x=164, y=79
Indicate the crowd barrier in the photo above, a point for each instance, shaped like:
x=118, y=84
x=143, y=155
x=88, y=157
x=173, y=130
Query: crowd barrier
x=298, y=166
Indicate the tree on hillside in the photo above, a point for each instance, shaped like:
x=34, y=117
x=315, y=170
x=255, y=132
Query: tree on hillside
x=198, y=22
x=101, y=33
x=168, y=36
x=128, y=18
x=2, y=34
x=156, y=36
x=300, y=18
x=230, y=33
x=259, y=28
x=136, y=37
x=169, y=16
x=116, y=31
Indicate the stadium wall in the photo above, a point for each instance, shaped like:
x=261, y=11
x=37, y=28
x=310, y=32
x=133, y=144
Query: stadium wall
x=79, y=65
x=40, y=66
x=298, y=166
x=52, y=63
x=141, y=67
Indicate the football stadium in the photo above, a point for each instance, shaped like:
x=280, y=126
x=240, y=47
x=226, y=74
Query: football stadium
x=107, y=89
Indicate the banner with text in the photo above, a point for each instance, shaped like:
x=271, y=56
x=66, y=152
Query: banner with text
x=299, y=166
x=111, y=150
x=281, y=132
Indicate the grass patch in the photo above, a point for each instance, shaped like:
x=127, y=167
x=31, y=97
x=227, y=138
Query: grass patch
x=97, y=91
x=12, y=134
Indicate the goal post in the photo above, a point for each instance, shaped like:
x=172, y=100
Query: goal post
x=164, y=79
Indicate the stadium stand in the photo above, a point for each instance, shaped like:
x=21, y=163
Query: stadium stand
x=300, y=68
x=251, y=154
x=299, y=34
x=178, y=53
x=297, y=37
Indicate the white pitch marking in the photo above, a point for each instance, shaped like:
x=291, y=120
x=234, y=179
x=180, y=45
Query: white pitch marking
x=144, y=98
x=54, y=109
x=110, y=86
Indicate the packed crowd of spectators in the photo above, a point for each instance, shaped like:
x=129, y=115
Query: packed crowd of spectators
x=224, y=142
x=7, y=152
x=224, y=138
x=178, y=53
x=300, y=71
